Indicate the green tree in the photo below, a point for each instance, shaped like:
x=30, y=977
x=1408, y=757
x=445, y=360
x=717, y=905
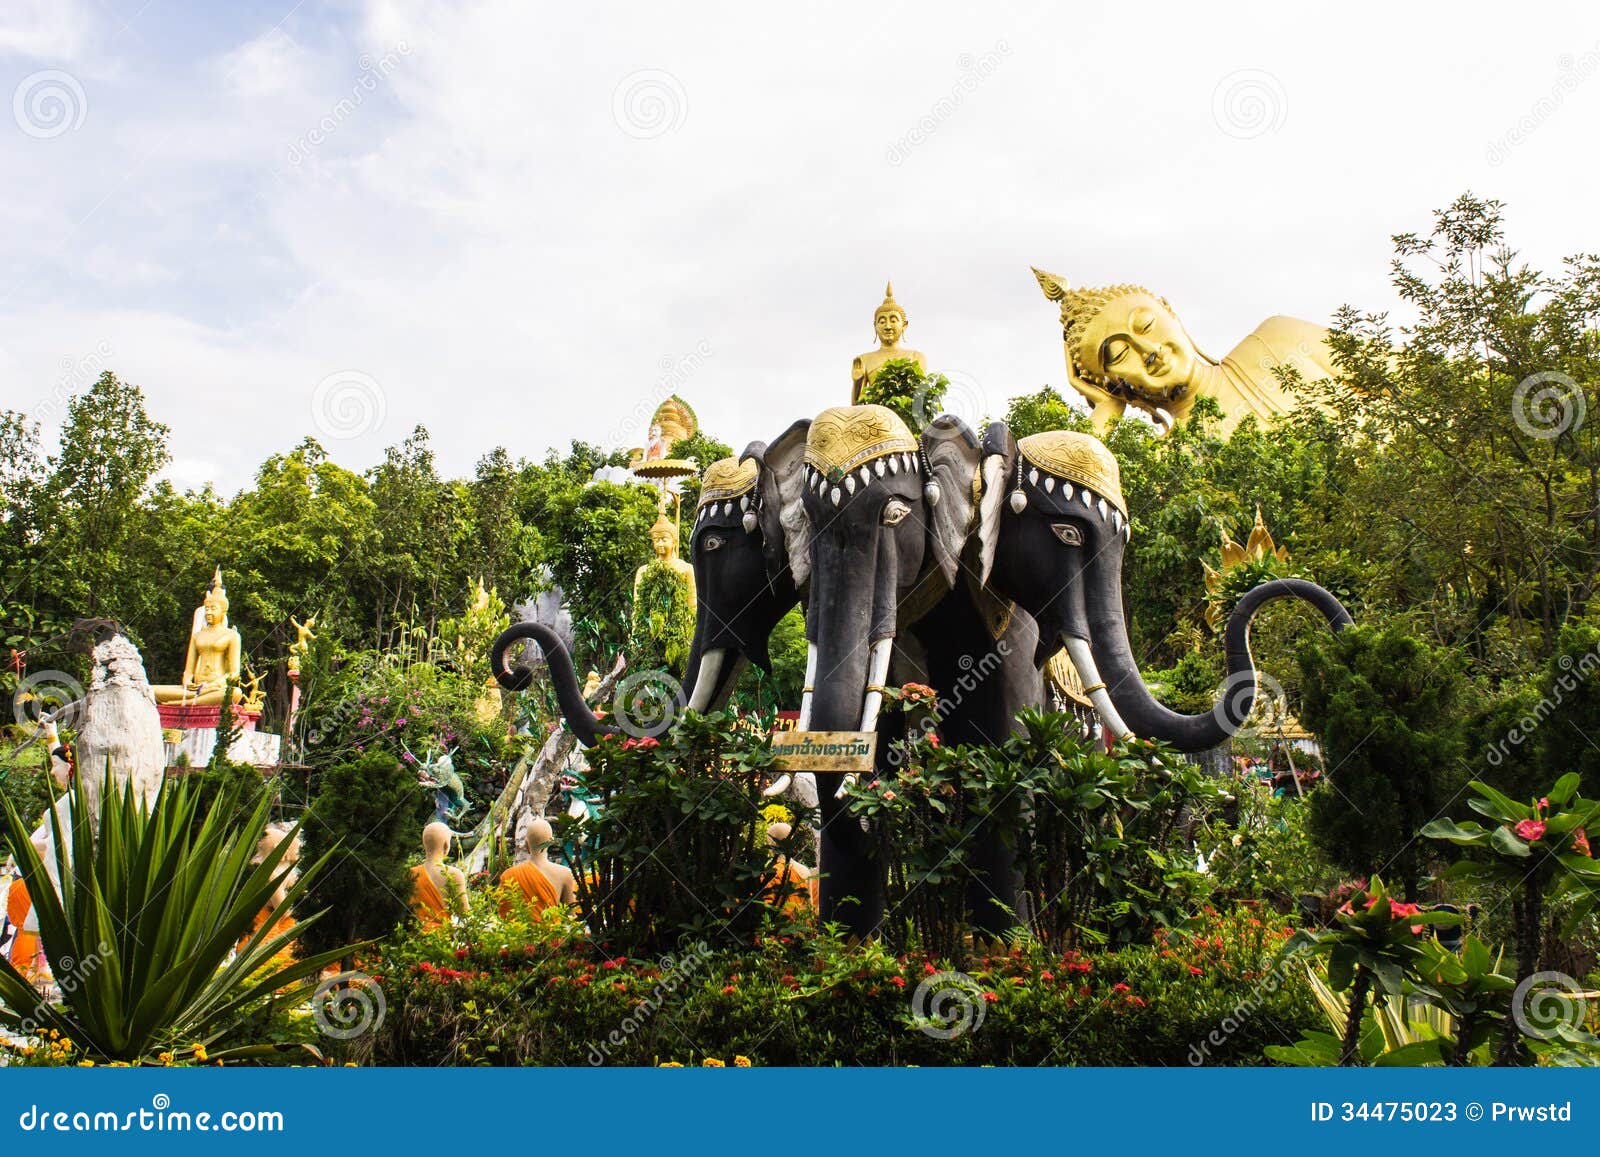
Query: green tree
x=1387, y=708
x=365, y=815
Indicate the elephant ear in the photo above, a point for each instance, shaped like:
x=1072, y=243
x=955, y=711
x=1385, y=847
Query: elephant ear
x=999, y=460
x=951, y=452
x=785, y=529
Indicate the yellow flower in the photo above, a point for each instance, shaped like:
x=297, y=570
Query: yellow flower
x=164, y=1058
x=86, y=1064
x=200, y=1054
x=119, y=1065
x=712, y=1063
x=741, y=1062
x=670, y=1065
x=351, y=1065
x=54, y=1034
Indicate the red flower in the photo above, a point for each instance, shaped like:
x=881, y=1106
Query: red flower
x=933, y=740
x=461, y=953
x=1580, y=841
x=729, y=990
x=1193, y=971
x=898, y=981
x=1047, y=975
x=1121, y=988
x=1399, y=910
x=929, y=969
x=1530, y=830
x=990, y=998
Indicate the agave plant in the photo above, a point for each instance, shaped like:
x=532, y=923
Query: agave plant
x=141, y=936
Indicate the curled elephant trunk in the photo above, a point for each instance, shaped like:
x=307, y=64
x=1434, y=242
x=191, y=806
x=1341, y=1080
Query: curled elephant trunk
x=1137, y=708
x=569, y=695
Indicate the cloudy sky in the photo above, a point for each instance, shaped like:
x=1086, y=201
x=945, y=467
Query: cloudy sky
x=521, y=223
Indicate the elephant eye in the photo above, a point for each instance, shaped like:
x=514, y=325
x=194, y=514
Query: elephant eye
x=894, y=512
x=1067, y=533
x=712, y=542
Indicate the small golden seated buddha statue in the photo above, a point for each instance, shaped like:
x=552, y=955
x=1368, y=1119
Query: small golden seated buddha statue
x=889, y=323
x=213, y=658
x=1126, y=347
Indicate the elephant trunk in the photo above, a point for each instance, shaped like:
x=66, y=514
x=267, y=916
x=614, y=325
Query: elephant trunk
x=1134, y=703
x=569, y=696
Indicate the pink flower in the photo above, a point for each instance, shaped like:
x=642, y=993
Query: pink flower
x=1544, y=803
x=1397, y=909
x=1580, y=841
x=1530, y=830
x=933, y=740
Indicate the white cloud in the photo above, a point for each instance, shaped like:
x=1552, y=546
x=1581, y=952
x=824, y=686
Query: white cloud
x=481, y=237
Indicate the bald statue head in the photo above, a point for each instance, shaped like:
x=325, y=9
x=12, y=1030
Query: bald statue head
x=539, y=835
x=778, y=832
x=435, y=840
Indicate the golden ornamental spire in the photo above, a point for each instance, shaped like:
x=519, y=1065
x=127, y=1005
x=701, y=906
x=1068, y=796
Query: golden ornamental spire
x=1257, y=547
x=890, y=305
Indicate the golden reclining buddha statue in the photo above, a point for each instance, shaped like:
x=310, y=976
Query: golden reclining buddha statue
x=1126, y=347
x=212, y=661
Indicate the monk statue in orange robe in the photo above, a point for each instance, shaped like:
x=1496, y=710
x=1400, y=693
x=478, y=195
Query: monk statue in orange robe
x=438, y=892
x=282, y=920
x=798, y=885
x=24, y=944
x=537, y=882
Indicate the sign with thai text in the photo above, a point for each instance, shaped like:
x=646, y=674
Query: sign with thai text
x=824, y=750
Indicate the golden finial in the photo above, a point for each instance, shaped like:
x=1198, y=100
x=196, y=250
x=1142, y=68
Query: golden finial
x=890, y=305
x=1257, y=547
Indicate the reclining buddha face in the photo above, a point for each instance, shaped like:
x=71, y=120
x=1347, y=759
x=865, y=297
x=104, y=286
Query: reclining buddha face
x=1136, y=340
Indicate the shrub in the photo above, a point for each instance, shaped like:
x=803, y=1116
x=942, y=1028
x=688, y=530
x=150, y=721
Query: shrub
x=539, y=993
x=364, y=818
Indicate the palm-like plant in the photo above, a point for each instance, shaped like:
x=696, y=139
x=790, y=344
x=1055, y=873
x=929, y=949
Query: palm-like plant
x=149, y=910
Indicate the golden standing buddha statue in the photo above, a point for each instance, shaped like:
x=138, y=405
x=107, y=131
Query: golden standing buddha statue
x=889, y=323
x=1126, y=347
x=664, y=539
x=213, y=657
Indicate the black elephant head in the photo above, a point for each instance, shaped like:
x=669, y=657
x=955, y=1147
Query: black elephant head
x=740, y=598
x=1052, y=532
x=872, y=522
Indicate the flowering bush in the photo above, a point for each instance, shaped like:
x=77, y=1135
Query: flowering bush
x=543, y=993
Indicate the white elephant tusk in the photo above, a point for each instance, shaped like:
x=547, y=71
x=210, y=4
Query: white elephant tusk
x=778, y=786
x=804, y=722
x=577, y=810
x=877, y=672
x=705, y=680
x=1078, y=651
